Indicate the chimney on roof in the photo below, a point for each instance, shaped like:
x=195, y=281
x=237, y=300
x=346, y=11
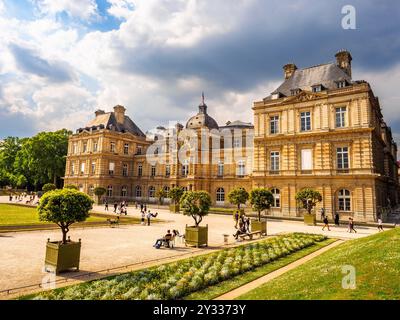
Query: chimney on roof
x=289, y=69
x=119, y=113
x=99, y=112
x=343, y=61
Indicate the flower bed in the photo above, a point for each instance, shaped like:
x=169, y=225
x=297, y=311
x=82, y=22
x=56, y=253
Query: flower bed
x=178, y=279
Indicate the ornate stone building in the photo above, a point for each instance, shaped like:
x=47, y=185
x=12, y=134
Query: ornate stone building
x=318, y=129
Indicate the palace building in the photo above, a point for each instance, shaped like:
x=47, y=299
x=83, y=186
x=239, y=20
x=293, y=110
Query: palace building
x=319, y=129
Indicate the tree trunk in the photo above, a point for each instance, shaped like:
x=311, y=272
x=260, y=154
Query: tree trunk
x=259, y=216
x=64, y=232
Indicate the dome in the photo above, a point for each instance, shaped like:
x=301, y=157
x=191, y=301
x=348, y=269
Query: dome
x=202, y=119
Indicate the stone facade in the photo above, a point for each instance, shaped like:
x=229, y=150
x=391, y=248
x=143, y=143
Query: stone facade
x=319, y=129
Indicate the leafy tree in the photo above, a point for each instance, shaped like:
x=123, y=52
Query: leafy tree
x=238, y=196
x=195, y=204
x=48, y=187
x=9, y=147
x=161, y=194
x=99, y=192
x=71, y=186
x=261, y=199
x=308, y=199
x=64, y=207
x=175, y=194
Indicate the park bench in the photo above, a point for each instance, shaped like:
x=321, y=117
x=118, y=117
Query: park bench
x=250, y=235
x=168, y=242
x=113, y=222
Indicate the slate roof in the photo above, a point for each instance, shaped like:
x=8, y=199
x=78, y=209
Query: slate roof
x=237, y=124
x=107, y=120
x=324, y=74
x=202, y=119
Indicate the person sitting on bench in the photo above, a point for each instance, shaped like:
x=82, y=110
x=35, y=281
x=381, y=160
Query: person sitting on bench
x=166, y=239
x=241, y=230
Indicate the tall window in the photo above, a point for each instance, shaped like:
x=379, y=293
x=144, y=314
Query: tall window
x=185, y=169
x=75, y=148
x=274, y=161
x=111, y=168
x=93, y=167
x=126, y=148
x=91, y=190
x=166, y=190
x=340, y=117
x=277, y=198
x=342, y=154
x=220, y=195
x=85, y=147
x=140, y=170
x=306, y=159
x=125, y=170
x=82, y=167
x=72, y=168
x=124, y=191
x=241, y=170
x=112, y=146
x=153, y=171
x=138, y=191
x=152, y=192
x=236, y=143
x=305, y=121
x=344, y=198
x=167, y=170
x=220, y=168
x=95, y=144
x=109, y=191
x=274, y=124
x=139, y=150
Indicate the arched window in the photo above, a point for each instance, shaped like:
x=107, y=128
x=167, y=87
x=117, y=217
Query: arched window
x=277, y=198
x=220, y=195
x=109, y=191
x=138, y=191
x=124, y=191
x=166, y=190
x=152, y=192
x=91, y=190
x=344, y=200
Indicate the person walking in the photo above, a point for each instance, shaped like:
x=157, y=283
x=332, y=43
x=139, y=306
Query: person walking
x=337, y=219
x=106, y=205
x=141, y=206
x=145, y=207
x=143, y=217
x=326, y=224
x=351, y=225
x=380, y=227
x=115, y=206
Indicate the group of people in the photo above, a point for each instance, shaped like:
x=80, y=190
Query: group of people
x=119, y=208
x=28, y=198
x=167, y=239
x=242, y=224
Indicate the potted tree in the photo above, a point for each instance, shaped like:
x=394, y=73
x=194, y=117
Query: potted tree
x=175, y=195
x=48, y=187
x=261, y=199
x=308, y=198
x=64, y=207
x=161, y=194
x=196, y=204
x=237, y=197
x=99, y=192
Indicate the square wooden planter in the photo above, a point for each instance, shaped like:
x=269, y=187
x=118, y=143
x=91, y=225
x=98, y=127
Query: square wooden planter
x=174, y=208
x=196, y=236
x=259, y=226
x=62, y=257
x=310, y=219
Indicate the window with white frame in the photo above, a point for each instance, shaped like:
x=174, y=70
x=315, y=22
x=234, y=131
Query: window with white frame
x=139, y=150
x=126, y=148
x=277, y=198
x=138, y=191
x=72, y=168
x=125, y=170
x=306, y=159
x=111, y=168
x=152, y=192
x=220, y=169
x=274, y=160
x=82, y=167
x=274, y=125
x=185, y=168
x=75, y=148
x=241, y=170
x=84, y=147
x=166, y=190
x=140, y=170
x=167, y=170
x=342, y=155
x=236, y=142
x=153, y=171
x=344, y=200
x=340, y=117
x=93, y=167
x=109, y=191
x=95, y=145
x=220, y=195
x=305, y=121
x=124, y=191
x=112, y=146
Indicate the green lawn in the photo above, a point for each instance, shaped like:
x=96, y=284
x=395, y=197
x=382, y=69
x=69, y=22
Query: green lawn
x=22, y=215
x=376, y=260
x=240, y=280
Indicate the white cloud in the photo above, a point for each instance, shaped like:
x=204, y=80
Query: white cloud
x=83, y=9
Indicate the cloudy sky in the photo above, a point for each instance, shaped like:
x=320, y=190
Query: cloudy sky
x=60, y=60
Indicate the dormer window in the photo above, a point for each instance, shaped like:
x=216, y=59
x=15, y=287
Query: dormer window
x=341, y=84
x=295, y=92
x=276, y=95
x=317, y=88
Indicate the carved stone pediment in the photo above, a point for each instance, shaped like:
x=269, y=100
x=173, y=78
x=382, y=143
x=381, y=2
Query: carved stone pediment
x=305, y=96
